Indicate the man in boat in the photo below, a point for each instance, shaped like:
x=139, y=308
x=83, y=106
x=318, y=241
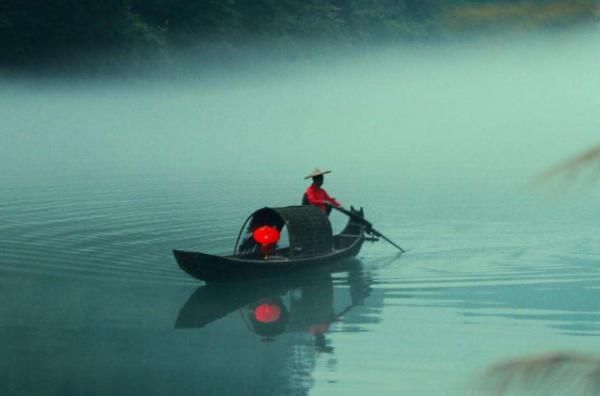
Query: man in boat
x=317, y=196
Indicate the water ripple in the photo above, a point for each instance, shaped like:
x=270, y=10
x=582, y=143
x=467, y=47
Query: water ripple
x=123, y=230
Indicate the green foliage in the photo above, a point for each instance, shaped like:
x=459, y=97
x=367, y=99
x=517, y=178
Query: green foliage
x=43, y=31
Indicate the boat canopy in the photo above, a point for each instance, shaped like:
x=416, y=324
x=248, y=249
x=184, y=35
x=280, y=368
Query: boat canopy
x=309, y=230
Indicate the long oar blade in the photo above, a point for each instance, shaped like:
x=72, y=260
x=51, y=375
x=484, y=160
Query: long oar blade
x=359, y=219
x=379, y=234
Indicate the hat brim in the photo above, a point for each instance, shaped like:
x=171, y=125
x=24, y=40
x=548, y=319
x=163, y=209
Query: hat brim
x=315, y=174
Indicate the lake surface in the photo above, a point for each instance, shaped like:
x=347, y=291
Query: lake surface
x=93, y=302
x=101, y=180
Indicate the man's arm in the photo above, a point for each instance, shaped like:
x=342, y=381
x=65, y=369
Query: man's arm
x=331, y=200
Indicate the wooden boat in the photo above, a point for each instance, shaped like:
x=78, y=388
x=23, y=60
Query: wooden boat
x=311, y=244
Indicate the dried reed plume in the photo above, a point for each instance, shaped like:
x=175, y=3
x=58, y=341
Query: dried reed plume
x=588, y=161
x=528, y=13
x=556, y=373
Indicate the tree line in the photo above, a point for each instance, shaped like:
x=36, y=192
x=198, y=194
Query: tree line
x=36, y=32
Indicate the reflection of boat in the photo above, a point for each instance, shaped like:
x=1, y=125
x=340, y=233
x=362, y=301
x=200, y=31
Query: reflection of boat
x=294, y=303
x=311, y=243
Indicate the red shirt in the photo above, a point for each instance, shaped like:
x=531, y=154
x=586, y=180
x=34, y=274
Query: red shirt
x=317, y=196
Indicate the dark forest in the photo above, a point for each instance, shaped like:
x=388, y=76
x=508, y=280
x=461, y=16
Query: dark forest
x=38, y=33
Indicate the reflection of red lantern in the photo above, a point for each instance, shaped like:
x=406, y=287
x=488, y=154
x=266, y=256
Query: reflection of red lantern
x=267, y=313
x=266, y=235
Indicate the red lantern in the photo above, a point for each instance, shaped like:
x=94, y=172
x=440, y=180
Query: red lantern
x=267, y=313
x=266, y=235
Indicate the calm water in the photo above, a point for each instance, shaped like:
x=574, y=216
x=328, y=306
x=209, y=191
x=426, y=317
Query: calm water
x=93, y=302
x=100, y=182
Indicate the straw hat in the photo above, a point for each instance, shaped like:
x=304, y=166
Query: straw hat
x=317, y=172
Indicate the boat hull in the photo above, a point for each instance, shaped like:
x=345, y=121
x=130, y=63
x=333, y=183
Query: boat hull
x=219, y=269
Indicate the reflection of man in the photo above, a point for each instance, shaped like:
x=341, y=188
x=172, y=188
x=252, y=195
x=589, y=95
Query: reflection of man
x=311, y=309
x=315, y=195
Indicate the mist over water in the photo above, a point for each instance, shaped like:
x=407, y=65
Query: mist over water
x=443, y=130
x=482, y=112
x=101, y=178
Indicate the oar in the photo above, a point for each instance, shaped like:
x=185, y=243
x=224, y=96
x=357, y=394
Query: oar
x=367, y=224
